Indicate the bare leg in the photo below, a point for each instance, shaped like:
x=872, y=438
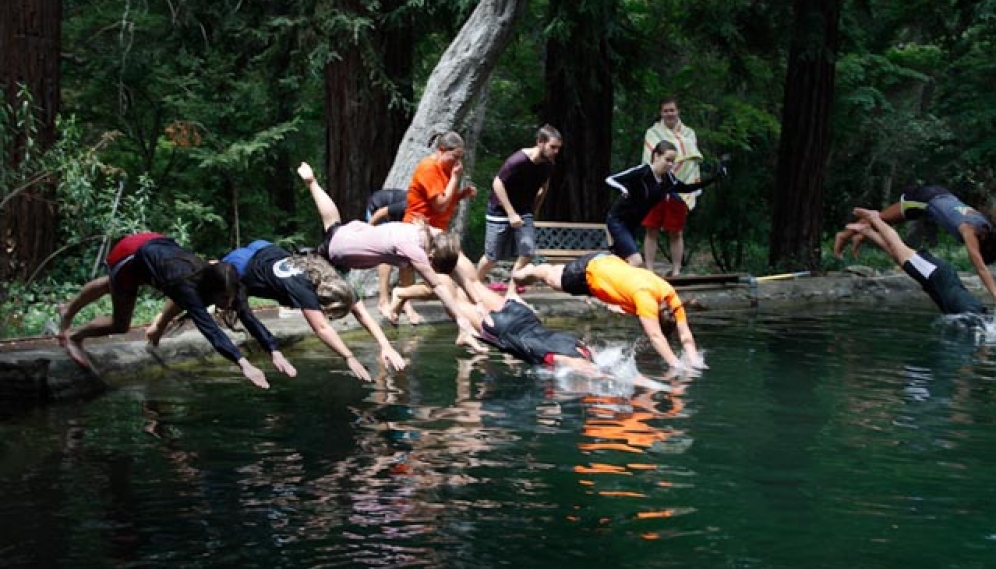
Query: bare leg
x=122, y=309
x=384, y=290
x=549, y=274
x=677, y=242
x=161, y=322
x=650, y=238
x=875, y=228
x=90, y=293
x=406, y=277
x=326, y=207
x=484, y=266
x=512, y=292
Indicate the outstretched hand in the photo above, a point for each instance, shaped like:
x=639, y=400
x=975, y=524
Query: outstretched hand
x=254, y=374
x=282, y=365
x=358, y=369
x=392, y=360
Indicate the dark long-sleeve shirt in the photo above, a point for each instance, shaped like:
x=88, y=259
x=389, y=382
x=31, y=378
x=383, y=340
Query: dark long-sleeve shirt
x=169, y=267
x=641, y=191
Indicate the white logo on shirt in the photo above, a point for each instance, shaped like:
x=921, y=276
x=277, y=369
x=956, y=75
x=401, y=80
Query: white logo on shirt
x=283, y=270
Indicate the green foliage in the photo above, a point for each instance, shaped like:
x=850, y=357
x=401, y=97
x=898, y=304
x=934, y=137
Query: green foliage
x=24, y=163
x=33, y=310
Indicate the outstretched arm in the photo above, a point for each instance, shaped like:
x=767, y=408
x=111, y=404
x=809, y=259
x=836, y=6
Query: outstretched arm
x=321, y=327
x=443, y=294
x=161, y=322
x=390, y=357
x=683, y=188
x=652, y=328
x=972, y=246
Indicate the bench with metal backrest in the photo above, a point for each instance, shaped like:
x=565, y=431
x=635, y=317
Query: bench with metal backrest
x=563, y=241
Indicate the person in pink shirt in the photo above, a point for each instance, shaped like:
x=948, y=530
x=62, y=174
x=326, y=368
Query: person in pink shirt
x=359, y=245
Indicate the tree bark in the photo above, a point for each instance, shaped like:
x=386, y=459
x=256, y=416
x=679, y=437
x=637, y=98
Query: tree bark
x=30, y=42
x=797, y=216
x=363, y=125
x=456, y=82
x=579, y=97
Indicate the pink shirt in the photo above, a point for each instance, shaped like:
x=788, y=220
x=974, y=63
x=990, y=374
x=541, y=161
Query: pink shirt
x=359, y=245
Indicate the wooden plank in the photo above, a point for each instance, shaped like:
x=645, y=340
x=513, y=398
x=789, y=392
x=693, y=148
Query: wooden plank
x=558, y=256
x=685, y=280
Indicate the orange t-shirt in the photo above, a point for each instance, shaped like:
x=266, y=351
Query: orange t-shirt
x=429, y=181
x=635, y=290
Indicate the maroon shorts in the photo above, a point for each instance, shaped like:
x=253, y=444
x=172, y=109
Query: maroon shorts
x=125, y=276
x=669, y=215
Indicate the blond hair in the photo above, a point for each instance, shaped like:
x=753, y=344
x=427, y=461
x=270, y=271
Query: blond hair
x=444, y=252
x=335, y=294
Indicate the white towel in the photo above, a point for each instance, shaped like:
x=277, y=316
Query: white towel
x=686, y=165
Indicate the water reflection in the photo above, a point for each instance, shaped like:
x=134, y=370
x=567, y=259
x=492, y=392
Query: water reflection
x=632, y=435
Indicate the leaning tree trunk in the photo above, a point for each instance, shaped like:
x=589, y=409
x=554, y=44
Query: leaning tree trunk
x=30, y=41
x=363, y=124
x=797, y=219
x=579, y=98
x=456, y=82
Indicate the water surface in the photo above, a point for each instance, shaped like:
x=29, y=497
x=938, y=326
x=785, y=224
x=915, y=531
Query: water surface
x=847, y=438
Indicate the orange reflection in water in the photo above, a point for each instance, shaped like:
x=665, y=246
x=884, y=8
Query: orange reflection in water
x=617, y=428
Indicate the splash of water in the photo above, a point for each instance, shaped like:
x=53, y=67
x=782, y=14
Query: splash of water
x=980, y=326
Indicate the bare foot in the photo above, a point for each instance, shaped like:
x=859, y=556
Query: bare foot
x=153, y=334
x=397, y=305
x=385, y=311
x=465, y=339
x=75, y=350
x=414, y=318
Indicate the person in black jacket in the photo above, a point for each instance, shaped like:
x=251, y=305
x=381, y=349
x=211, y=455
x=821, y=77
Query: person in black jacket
x=189, y=281
x=642, y=188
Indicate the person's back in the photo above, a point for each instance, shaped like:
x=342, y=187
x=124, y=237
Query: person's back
x=388, y=204
x=516, y=330
x=635, y=290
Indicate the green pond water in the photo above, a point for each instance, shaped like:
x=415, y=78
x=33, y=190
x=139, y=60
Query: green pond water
x=848, y=438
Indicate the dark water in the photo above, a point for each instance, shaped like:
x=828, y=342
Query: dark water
x=846, y=439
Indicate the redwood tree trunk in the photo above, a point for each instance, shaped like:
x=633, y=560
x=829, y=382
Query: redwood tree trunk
x=363, y=126
x=579, y=98
x=30, y=42
x=797, y=217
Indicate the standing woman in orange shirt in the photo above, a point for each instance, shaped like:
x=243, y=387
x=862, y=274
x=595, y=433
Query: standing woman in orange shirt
x=434, y=190
x=433, y=195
